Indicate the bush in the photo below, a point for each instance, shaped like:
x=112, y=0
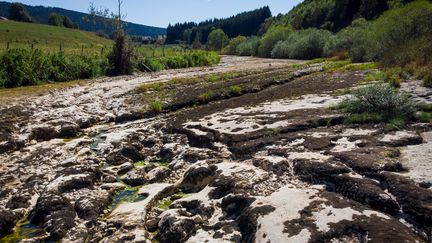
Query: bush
x=303, y=44
x=217, y=40
x=380, y=99
x=248, y=47
x=231, y=48
x=66, y=67
x=394, y=76
x=121, y=58
x=21, y=67
x=235, y=89
x=271, y=38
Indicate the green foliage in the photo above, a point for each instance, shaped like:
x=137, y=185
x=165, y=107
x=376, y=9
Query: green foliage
x=425, y=117
x=217, y=40
x=363, y=118
x=303, y=44
x=395, y=124
x=66, y=67
x=271, y=37
x=375, y=76
x=194, y=59
x=55, y=19
x=248, y=47
x=231, y=48
x=235, y=89
x=156, y=106
x=18, y=12
x=22, y=67
x=393, y=76
x=427, y=79
x=206, y=96
x=380, y=99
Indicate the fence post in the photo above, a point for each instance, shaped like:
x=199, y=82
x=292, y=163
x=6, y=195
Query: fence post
x=32, y=46
x=7, y=47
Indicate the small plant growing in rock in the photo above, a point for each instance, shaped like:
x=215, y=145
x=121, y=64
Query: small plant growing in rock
x=235, y=89
x=394, y=77
x=206, y=96
x=427, y=79
x=156, y=106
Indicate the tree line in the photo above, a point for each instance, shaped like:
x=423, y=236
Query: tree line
x=246, y=24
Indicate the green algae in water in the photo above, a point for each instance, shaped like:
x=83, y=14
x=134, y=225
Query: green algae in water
x=23, y=231
x=146, y=163
x=165, y=203
x=127, y=195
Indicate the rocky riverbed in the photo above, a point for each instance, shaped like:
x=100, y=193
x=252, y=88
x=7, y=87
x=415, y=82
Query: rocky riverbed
x=269, y=162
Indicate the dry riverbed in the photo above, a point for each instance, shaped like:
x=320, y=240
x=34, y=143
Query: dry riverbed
x=246, y=151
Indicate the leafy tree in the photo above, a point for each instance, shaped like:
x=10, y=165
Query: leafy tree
x=67, y=22
x=269, y=40
x=121, y=59
x=55, y=19
x=233, y=44
x=19, y=13
x=217, y=40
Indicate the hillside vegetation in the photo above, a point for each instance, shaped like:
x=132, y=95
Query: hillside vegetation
x=246, y=23
x=41, y=15
x=49, y=38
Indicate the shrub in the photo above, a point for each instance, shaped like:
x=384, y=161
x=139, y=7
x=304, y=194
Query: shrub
x=380, y=99
x=363, y=118
x=248, y=47
x=21, y=67
x=66, y=67
x=271, y=38
x=393, y=76
x=231, y=48
x=150, y=65
x=303, y=44
x=395, y=124
x=121, y=58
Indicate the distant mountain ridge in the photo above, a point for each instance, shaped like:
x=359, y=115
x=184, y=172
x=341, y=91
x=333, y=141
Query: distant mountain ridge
x=41, y=14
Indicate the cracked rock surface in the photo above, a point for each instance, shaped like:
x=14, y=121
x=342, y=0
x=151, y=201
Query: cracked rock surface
x=271, y=164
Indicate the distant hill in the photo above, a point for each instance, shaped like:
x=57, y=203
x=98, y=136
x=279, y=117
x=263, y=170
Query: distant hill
x=49, y=38
x=41, y=14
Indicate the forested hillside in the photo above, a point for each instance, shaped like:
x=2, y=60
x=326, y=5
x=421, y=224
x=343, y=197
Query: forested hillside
x=336, y=14
x=41, y=14
x=245, y=24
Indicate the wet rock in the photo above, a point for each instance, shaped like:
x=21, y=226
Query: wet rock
x=89, y=207
x=374, y=160
x=401, y=138
x=158, y=174
x=8, y=219
x=131, y=152
x=414, y=200
x=175, y=228
x=193, y=156
x=166, y=154
x=86, y=122
x=67, y=183
x=109, y=179
x=233, y=205
x=69, y=130
x=152, y=224
x=115, y=158
x=55, y=214
x=125, y=168
x=19, y=201
x=198, y=176
x=278, y=165
x=44, y=133
x=134, y=177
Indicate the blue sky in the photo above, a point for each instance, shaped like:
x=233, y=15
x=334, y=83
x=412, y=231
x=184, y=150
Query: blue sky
x=162, y=12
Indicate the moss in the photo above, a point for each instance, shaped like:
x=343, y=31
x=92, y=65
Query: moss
x=141, y=163
x=23, y=230
x=165, y=203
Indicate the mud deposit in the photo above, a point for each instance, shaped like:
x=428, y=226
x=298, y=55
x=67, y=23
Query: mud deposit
x=261, y=159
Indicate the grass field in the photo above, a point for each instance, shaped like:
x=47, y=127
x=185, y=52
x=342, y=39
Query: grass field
x=50, y=38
